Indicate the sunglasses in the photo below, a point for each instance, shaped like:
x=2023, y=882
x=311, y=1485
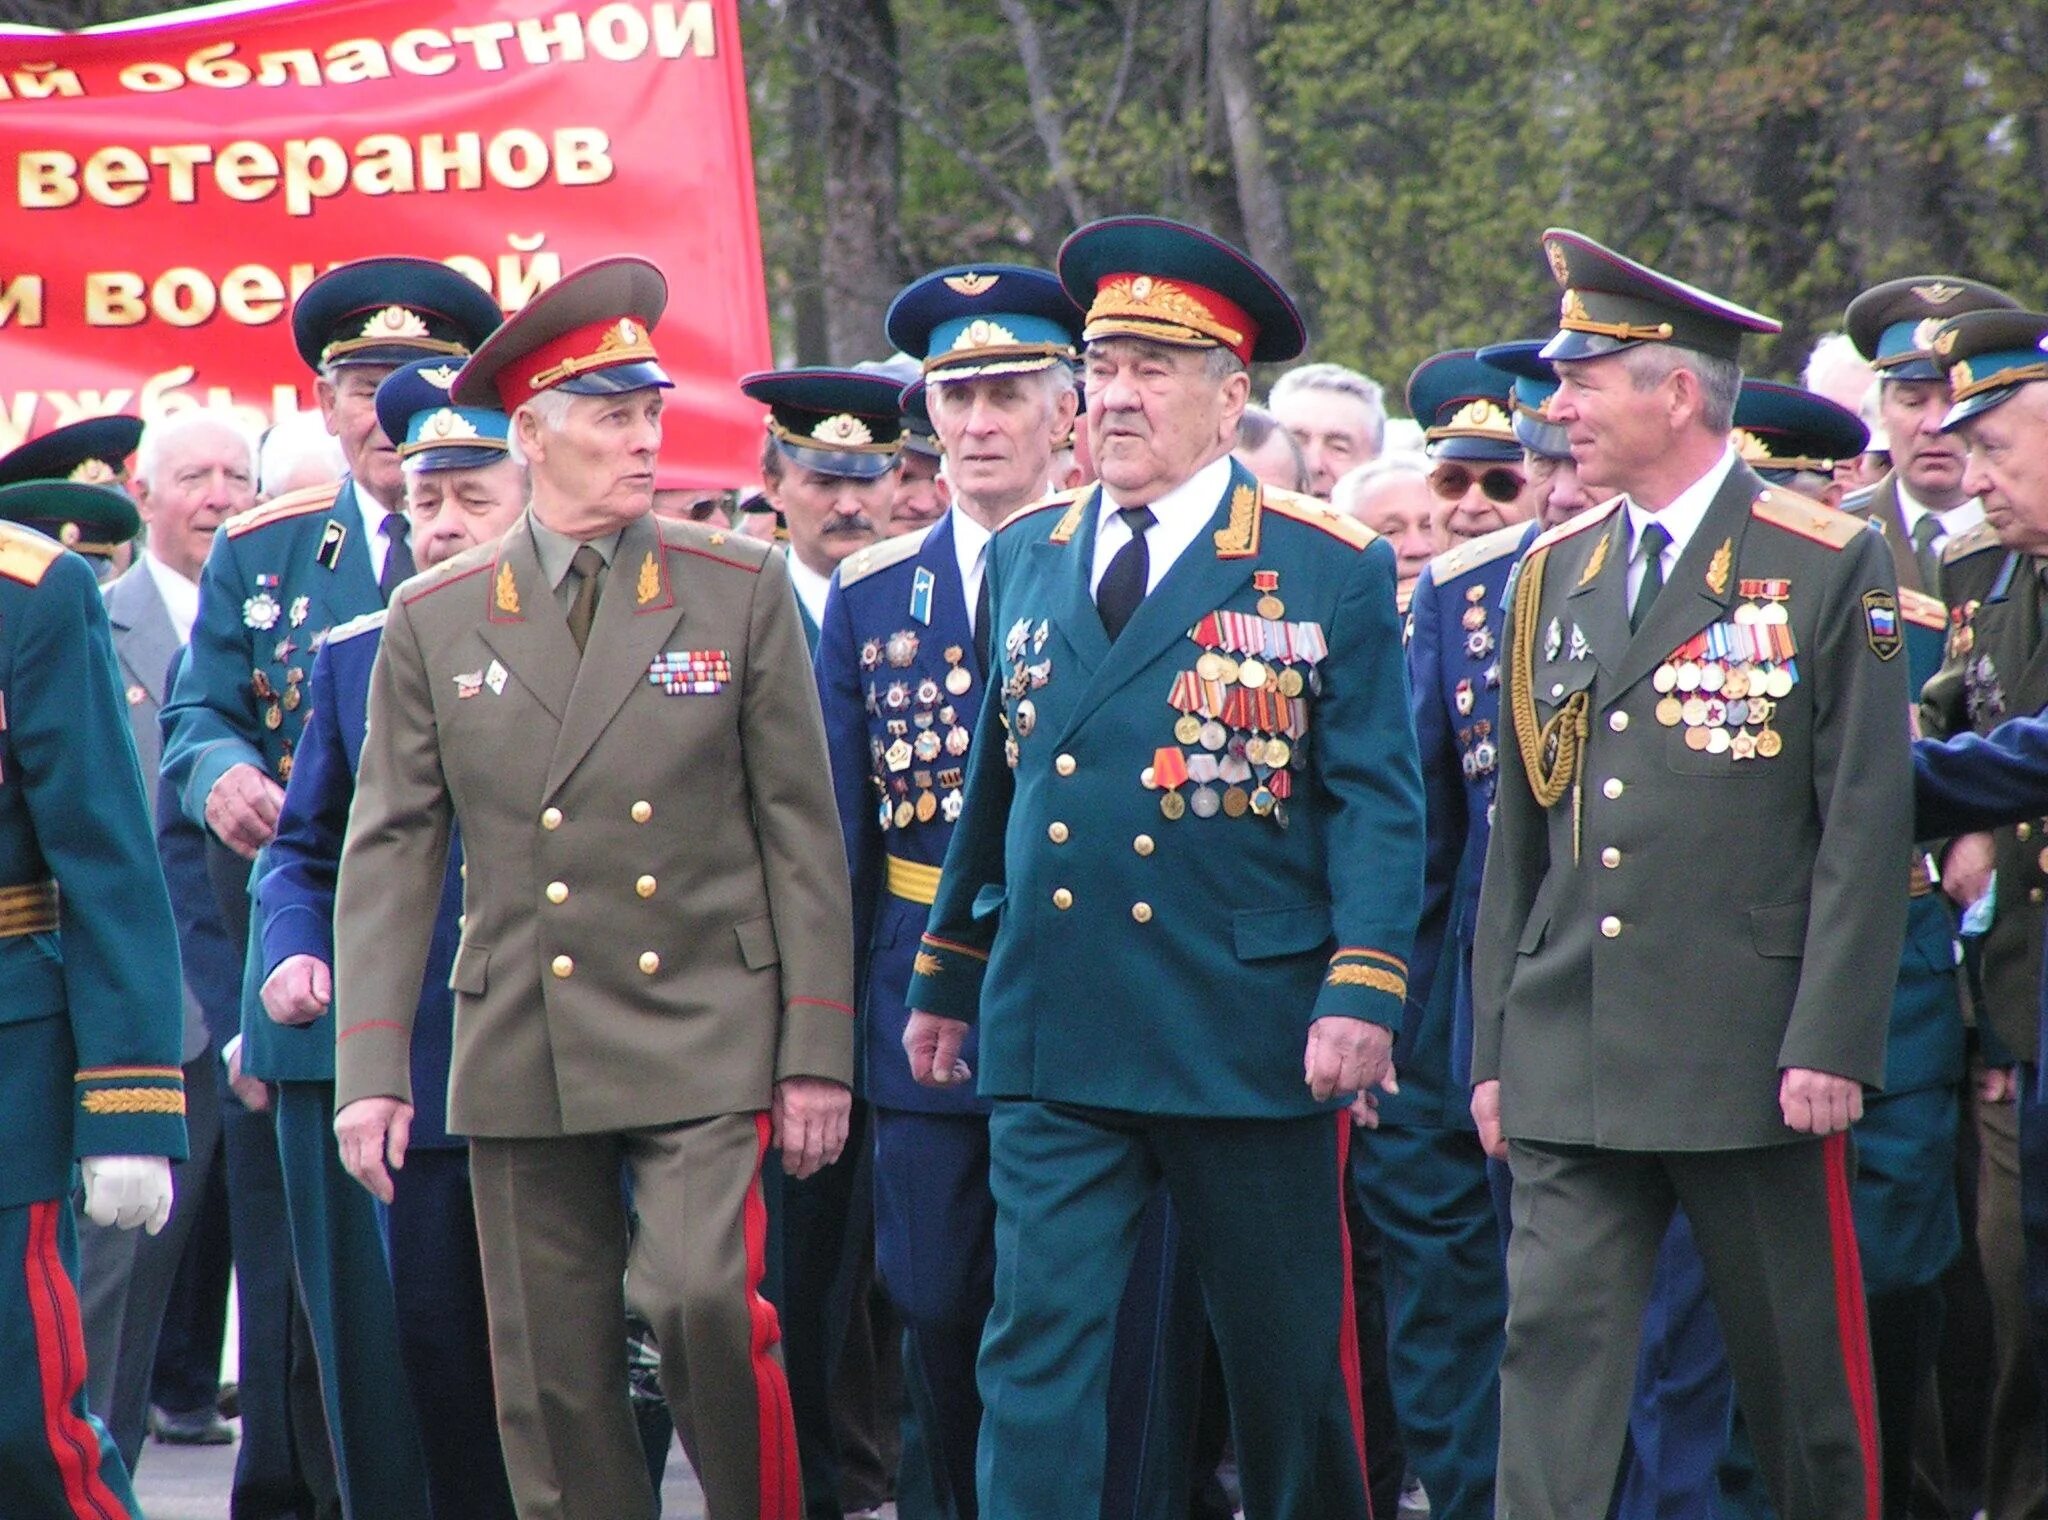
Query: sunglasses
x=1499, y=483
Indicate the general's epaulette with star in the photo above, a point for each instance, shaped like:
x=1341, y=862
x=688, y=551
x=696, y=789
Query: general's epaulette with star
x=1306, y=509
x=1057, y=499
x=1927, y=611
x=448, y=572
x=369, y=622
x=1475, y=553
x=26, y=555
x=1578, y=522
x=1976, y=541
x=1807, y=518
x=720, y=545
x=863, y=563
x=292, y=504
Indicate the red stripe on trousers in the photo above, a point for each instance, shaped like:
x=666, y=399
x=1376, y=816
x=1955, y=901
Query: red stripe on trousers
x=60, y=1369
x=782, y=1493
x=1850, y=1325
x=1347, y=1334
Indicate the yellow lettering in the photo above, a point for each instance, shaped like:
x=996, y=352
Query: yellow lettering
x=17, y=419
x=526, y=271
x=690, y=28
x=45, y=178
x=354, y=61
x=383, y=165
x=245, y=171
x=161, y=396
x=40, y=81
x=485, y=41
x=252, y=294
x=113, y=298
x=292, y=66
x=617, y=31
x=537, y=36
x=517, y=158
x=409, y=51
x=217, y=68
x=314, y=169
x=151, y=78
x=179, y=160
x=21, y=301
x=116, y=176
x=464, y=158
x=582, y=156
x=183, y=297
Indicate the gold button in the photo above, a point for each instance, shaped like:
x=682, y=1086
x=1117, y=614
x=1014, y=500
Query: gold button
x=461, y=922
x=562, y=965
x=1062, y=899
x=558, y=891
x=1142, y=912
x=645, y=886
x=1064, y=764
x=1557, y=689
x=463, y=871
x=1610, y=857
x=1143, y=844
x=1617, y=721
x=1611, y=788
x=1611, y=926
x=2025, y=831
x=2035, y=894
x=642, y=811
x=1056, y=832
x=551, y=819
x=649, y=962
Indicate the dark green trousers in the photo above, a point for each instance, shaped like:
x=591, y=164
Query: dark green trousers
x=1777, y=1236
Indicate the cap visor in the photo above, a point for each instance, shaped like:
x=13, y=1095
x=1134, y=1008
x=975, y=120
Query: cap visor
x=835, y=462
x=1578, y=345
x=1976, y=406
x=454, y=457
x=1482, y=450
x=1543, y=438
x=616, y=380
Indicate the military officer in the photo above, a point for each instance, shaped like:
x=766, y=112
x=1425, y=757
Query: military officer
x=655, y=968
x=1478, y=477
x=89, y=1014
x=1189, y=866
x=461, y=490
x=278, y=577
x=1546, y=449
x=92, y=452
x=1920, y=502
x=1657, y=835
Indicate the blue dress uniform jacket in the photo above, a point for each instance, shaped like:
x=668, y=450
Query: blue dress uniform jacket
x=1249, y=925
x=278, y=577
x=297, y=890
x=1455, y=622
x=90, y=1019
x=902, y=687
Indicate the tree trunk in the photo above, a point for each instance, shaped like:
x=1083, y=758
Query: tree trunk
x=1261, y=200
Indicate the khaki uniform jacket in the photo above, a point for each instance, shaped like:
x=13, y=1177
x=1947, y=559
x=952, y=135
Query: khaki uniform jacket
x=657, y=924
x=1879, y=505
x=1682, y=924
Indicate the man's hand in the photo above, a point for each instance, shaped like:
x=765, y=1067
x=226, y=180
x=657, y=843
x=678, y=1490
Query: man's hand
x=253, y=1092
x=933, y=1045
x=372, y=1132
x=1818, y=1102
x=242, y=809
x=810, y=1118
x=298, y=991
x=1348, y=1055
x=1486, y=1114
x=126, y=1191
x=1966, y=868
x=1998, y=1084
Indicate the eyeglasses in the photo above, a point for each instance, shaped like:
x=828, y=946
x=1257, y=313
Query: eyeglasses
x=1500, y=484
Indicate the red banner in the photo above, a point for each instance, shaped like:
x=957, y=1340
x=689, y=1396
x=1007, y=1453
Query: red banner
x=172, y=184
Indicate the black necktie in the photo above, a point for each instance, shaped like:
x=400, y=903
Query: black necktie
x=587, y=566
x=1925, y=532
x=1123, y=583
x=981, y=619
x=398, y=565
x=1655, y=537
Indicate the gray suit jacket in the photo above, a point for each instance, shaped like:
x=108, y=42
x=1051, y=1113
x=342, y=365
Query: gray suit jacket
x=144, y=642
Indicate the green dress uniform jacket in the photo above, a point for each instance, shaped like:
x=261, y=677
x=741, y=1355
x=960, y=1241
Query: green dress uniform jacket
x=1076, y=880
x=657, y=924
x=90, y=1019
x=1682, y=923
x=1879, y=505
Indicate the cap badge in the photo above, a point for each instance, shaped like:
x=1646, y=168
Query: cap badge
x=445, y=425
x=1482, y=415
x=1141, y=287
x=1923, y=335
x=1573, y=308
x=441, y=376
x=68, y=535
x=1940, y=293
x=1554, y=251
x=844, y=430
x=1752, y=448
x=970, y=284
x=982, y=333
x=395, y=322
x=94, y=472
x=1945, y=342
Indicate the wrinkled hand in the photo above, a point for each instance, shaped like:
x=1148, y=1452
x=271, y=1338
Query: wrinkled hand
x=298, y=991
x=126, y=1191
x=253, y=1092
x=242, y=809
x=1818, y=1102
x=933, y=1045
x=1486, y=1114
x=374, y=1133
x=810, y=1118
x=1348, y=1055
x=1966, y=868
x=1998, y=1084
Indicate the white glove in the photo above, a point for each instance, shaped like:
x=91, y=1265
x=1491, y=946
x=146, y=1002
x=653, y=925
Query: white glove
x=126, y=1191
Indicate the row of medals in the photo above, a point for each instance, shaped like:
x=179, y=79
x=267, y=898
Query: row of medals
x=1240, y=756
x=908, y=794
x=1718, y=703
x=281, y=702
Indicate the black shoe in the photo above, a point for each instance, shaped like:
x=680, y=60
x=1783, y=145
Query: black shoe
x=199, y=1427
x=230, y=1401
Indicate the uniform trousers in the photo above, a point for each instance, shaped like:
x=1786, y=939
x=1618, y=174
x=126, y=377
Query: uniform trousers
x=1777, y=1237
x=551, y=1221
x=1260, y=1208
x=2015, y=1464
x=57, y=1462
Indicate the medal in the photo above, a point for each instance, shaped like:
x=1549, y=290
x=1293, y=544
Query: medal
x=1026, y=719
x=1696, y=738
x=1213, y=735
x=1236, y=801
x=1665, y=679
x=291, y=699
x=1204, y=803
x=1479, y=643
x=1743, y=746
x=871, y=654
x=1255, y=749
x=1553, y=640
x=1173, y=805
x=261, y=612
x=897, y=697
x=904, y=814
x=300, y=606
x=1262, y=802
x=1188, y=729
x=1278, y=753
x=273, y=716
x=1689, y=676
x=897, y=756
x=1251, y=674
x=1712, y=676
x=1717, y=741
x=1289, y=682
x=927, y=807
x=1769, y=743
x=951, y=804
x=1210, y=666
x=901, y=648
x=1267, y=584
x=959, y=679
x=927, y=746
x=1462, y=699
x=1474, y=617
x=956, y=741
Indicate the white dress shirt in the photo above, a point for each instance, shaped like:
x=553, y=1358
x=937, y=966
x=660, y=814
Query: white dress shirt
x=1960, y=519
x=181, y=597
x=374, y=537
x=1681, y=520
x=970, y=549
x=1182, y=513
x=811, y=587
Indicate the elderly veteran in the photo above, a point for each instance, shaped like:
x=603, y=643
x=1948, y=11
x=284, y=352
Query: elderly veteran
x=655, y=965
x=461, y=490
x=1471, y=441
x=92, y=452
x=1177, y=905
x=1655, y=834
x=90, y=1084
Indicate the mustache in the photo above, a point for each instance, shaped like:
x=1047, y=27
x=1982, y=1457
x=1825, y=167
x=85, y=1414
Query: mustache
x=848, y=525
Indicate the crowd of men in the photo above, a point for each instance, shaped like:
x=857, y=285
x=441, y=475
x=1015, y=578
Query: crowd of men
x=1083, y=947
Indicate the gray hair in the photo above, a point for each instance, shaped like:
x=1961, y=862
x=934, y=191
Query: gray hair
x=551, y=407
x=1255, y=429
x=1220, y=363
x=1343, y=381
x=290, y=445
x=1357, y=481
x=1720, y=379
x=165, y=430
